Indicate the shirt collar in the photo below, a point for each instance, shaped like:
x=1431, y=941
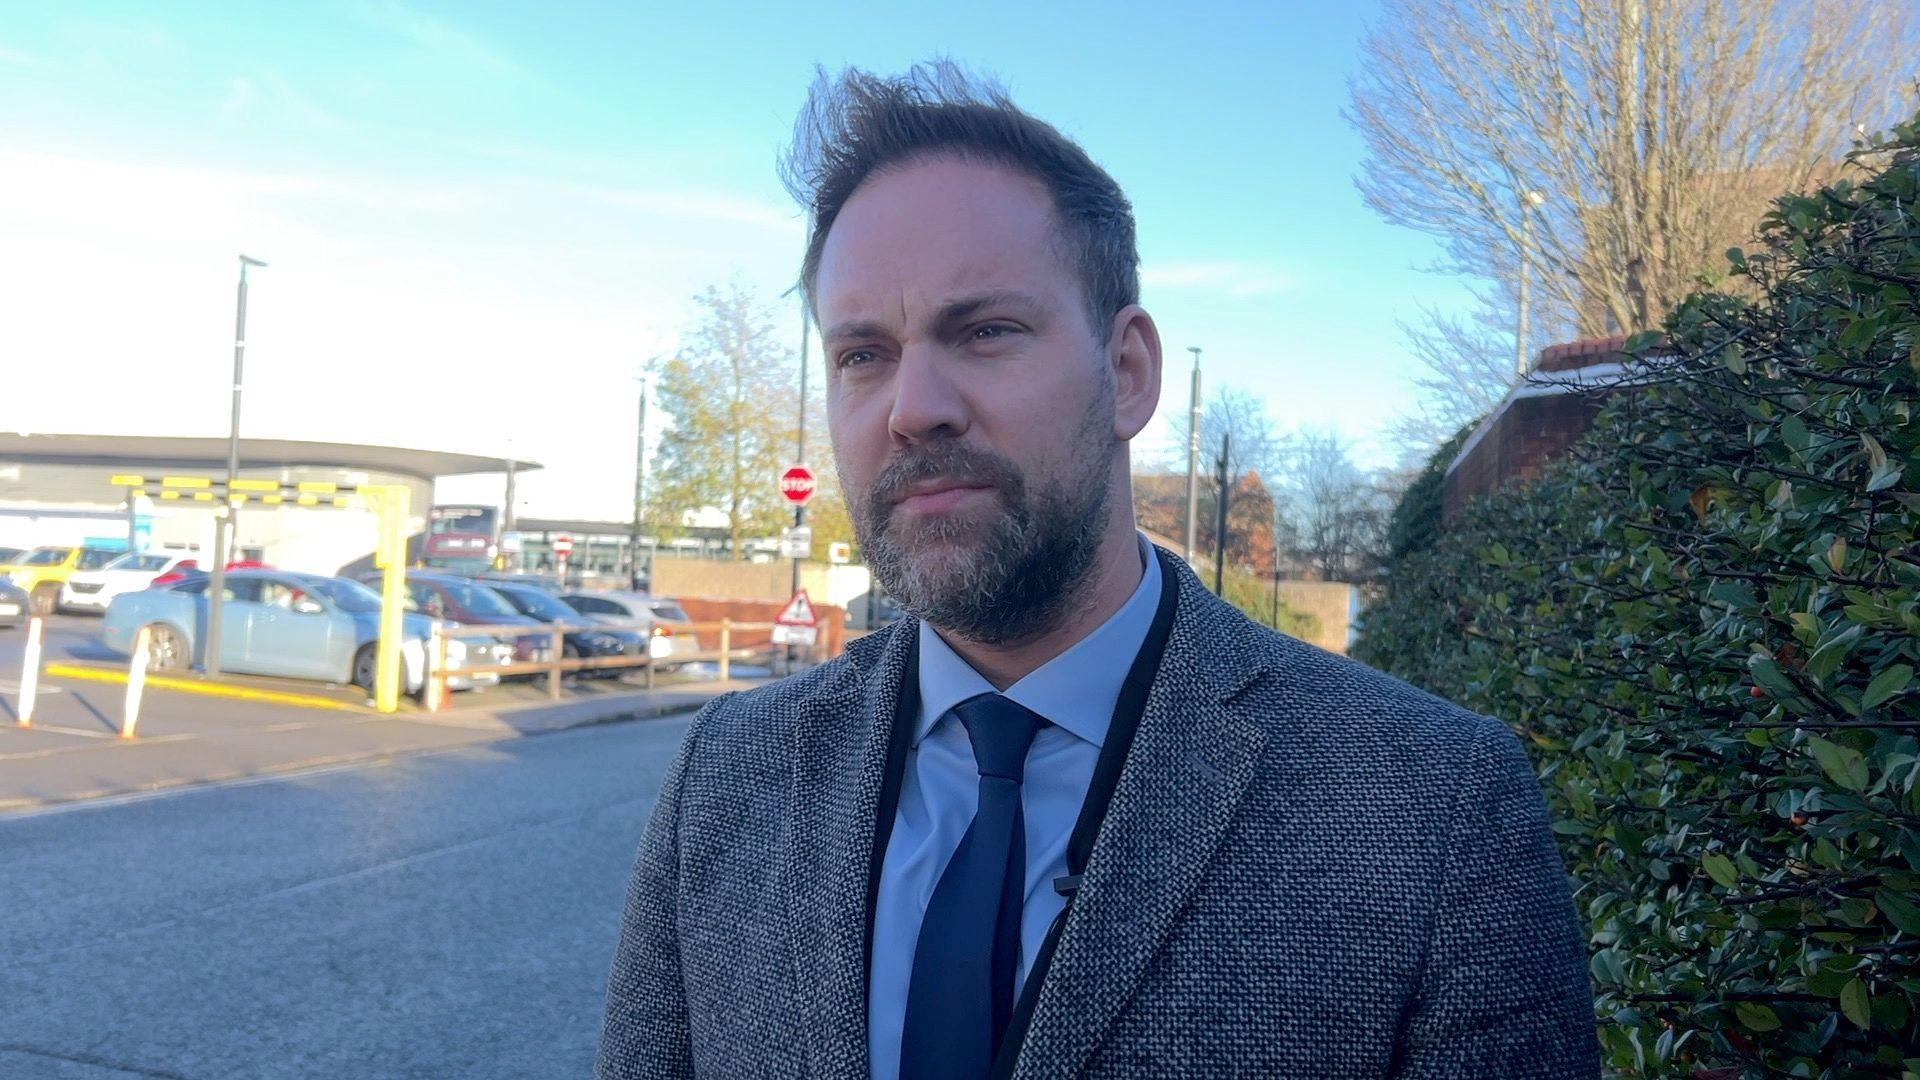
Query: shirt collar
x=1075, y=690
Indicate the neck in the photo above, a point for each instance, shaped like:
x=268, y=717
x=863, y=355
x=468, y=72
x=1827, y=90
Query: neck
x=1115, y=575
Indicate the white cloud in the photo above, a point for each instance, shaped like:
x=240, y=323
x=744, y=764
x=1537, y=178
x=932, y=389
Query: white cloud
x=1240, y=279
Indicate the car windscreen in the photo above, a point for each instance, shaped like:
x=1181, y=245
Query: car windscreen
x=670, y=611
x=96, y=558
x=479, y=600
x=47, y=557
x=539, y=605
x=137, y=561
x=346, y=595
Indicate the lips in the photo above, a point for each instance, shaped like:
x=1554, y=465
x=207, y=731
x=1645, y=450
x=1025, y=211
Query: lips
x=935, y=496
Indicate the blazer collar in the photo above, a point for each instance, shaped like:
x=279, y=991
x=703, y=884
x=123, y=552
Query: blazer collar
x=1190, y=765
x=839, y=753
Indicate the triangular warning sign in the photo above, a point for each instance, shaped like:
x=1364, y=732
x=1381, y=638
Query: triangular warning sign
x=798, y=612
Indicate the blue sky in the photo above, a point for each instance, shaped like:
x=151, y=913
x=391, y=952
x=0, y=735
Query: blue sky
x=483, y=218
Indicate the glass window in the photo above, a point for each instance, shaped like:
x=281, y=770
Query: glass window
x=347, y=595
x=538, y=604
x=481, y=600
x=667, y=609
x=245, y=589
x=192, y=588
x=47, y=557
x=594, y=605
x=96, y=558
x=140, y=561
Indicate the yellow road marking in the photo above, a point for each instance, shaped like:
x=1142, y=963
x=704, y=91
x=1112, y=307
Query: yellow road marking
x=196, y=686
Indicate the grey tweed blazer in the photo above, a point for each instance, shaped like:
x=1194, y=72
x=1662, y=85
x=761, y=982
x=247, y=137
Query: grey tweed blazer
x=1308, y=869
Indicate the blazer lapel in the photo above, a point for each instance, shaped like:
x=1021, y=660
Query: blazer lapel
x=1183, y=781
x=839, y=763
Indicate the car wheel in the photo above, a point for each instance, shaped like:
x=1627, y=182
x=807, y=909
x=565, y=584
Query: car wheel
x=166, y=650
x=45, y=600
x=366, y=663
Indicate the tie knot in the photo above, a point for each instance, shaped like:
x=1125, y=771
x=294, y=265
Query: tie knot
x=1001, y=730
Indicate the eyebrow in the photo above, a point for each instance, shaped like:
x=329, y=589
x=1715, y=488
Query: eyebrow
x=949, y=316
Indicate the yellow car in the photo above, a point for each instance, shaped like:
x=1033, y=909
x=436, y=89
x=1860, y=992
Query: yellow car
x=40, y=572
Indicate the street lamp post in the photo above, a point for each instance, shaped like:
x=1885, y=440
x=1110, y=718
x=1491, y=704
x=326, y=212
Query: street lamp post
x=223, y=522
x=1193, y=456
x=1528, y=202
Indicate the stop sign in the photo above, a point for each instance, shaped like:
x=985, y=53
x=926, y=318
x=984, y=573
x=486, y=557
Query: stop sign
x=563, y=545
x=797, y=484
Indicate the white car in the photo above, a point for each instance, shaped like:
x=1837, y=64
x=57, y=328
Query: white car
x=94, y=590
x=664, y=621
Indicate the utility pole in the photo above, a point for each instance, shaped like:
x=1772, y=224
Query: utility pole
x=639, y=491
x=223, y=523
x=506, y=524
x=1193, y=456
x=800, y=448
x=1220, y=530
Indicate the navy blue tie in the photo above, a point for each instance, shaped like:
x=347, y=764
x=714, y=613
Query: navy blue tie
x=960, y=997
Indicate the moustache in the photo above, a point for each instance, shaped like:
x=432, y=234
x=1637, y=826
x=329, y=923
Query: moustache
x=941, y=462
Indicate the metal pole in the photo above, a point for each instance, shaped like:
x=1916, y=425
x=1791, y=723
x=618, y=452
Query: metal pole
x=1220, y=529
x=223, y=523
x=506, y=524
x=639, y=493
x=1521, y=361
x=1193, y=456
x=800, y=448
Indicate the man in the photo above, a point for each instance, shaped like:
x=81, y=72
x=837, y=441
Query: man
x=1076, y=816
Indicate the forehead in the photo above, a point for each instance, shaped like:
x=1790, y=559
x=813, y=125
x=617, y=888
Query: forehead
x=920, y=232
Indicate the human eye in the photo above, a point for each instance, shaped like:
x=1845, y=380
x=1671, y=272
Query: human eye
x=992, y=332
x=856, y=358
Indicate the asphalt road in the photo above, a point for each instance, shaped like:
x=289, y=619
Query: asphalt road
x=439, y=915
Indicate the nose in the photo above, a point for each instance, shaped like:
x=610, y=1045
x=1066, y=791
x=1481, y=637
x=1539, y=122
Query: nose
x=926, y=403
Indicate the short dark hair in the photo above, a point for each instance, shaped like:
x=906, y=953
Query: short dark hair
x=857, y=123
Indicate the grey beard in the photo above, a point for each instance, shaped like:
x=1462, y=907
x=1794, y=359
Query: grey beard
x=1019, y=579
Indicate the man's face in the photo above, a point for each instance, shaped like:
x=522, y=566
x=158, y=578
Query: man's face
x=972, y=404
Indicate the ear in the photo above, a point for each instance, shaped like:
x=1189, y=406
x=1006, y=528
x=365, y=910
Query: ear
x=1133, y=350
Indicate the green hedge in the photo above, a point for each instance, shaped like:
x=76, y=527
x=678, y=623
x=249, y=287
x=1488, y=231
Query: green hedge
x=1704, y=621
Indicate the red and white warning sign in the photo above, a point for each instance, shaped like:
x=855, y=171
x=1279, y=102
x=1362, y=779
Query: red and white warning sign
x=796, y=624
x=563, y=545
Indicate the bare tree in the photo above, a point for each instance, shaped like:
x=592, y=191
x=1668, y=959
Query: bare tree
x=1608, y=152
x=1467, y=367
x=1332, y=514
x=1257, y=446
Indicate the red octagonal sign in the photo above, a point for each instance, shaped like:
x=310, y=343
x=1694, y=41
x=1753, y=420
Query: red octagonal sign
x=797, y=484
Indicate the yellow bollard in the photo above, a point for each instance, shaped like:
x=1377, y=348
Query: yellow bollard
x=136, y=681
x=30, y=671
x=434, y=684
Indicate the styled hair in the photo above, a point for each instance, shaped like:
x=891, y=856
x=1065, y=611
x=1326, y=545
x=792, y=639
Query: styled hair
x=857, y=124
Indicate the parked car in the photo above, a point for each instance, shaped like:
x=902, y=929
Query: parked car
x=13, y=603
x=299, y=626
x=460, y=600
x=178, y=574
x=93, y=590
x=664, y=621
x=44, y=570
x=592, y=644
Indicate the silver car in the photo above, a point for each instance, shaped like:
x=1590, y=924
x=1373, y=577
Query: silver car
x=13, y=602
x=672, y=639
